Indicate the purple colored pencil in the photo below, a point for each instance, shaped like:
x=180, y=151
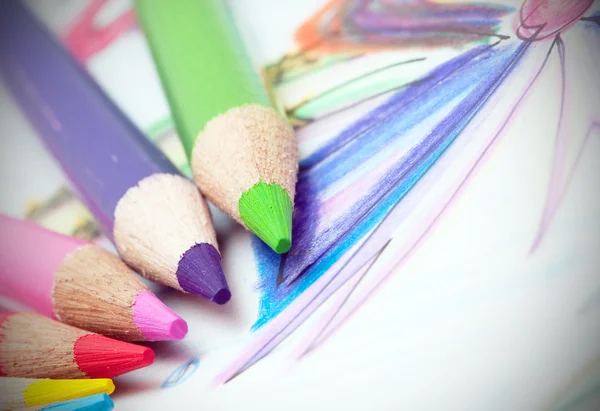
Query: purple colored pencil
x=157, y=218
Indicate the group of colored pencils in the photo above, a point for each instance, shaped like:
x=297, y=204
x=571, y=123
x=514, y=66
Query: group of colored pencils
x=244, y=159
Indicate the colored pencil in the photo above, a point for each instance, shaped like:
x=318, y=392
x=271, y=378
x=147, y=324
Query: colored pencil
x=98, y=402
x=80, y=284
x=158, y=219
x=25, y=392
x=243, y=153
x=33, y=346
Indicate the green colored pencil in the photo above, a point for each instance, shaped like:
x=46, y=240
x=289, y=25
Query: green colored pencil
x=243, y=153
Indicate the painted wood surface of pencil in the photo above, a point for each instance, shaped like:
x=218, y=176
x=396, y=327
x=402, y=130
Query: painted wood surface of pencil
x=80, y=284
x=158, y=219
x=19, y=393
x=32, y=346
x=244, y=154
x=98, y=402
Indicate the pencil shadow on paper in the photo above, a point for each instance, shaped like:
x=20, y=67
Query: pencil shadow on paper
x=184, y=356
x=382, y=157
x=132, y=386
x=227, y=314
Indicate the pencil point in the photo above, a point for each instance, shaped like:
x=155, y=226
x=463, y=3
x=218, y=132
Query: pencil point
x=266, y=209
x=199, y=272
x=102, y=357
x=98, y=402
x=222, y=296
x=283, y=246
x=155, y=320
x=178, y=329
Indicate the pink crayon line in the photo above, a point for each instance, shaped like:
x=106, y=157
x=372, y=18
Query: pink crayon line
x=545, y=20
x=559, y=154
x=560, y=177
x=84, y=39
x=313, y=339
x=360, y=185
x=282, y=325
x=555, y=197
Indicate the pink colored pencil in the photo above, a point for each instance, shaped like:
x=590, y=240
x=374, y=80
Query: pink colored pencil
x=80, y=284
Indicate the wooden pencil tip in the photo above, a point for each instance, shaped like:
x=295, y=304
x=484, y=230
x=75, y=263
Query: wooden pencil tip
x=266, y=209
x=102, y=357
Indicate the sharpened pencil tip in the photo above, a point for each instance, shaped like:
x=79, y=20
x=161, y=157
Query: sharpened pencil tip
x=222, y=296
x=266, y=209
x=178, y=329
x=283, y=246
x=102, y=357
x=199, y=272
x=155, y=320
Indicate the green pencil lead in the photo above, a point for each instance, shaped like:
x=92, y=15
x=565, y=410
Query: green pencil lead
x=266, y=209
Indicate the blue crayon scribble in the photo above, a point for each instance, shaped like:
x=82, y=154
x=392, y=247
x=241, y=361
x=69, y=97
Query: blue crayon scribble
x=181, y=373
x=470, y=79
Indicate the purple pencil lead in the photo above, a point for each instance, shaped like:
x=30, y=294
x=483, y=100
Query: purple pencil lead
x=204, y=259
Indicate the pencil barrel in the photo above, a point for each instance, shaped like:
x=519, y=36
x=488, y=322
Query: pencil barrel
x=32, y=346
x=98, y=147
x=203, y=65
x=29, y=257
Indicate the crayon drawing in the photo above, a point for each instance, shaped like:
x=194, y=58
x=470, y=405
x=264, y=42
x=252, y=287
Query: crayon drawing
x=383, y=156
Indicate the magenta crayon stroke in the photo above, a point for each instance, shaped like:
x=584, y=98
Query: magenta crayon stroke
x=349, y=24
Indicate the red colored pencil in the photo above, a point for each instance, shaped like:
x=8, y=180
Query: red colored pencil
x=33, y=346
